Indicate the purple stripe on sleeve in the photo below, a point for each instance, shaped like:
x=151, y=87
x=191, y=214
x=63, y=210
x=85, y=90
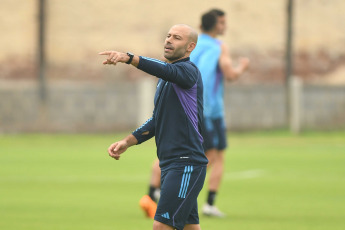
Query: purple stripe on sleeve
x=188, y=99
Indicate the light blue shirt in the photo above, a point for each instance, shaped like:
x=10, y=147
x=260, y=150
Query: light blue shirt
x=206, y=56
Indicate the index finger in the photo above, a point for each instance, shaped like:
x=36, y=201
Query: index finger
x=105, y=53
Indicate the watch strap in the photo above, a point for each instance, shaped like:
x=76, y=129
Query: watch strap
x=130, y=58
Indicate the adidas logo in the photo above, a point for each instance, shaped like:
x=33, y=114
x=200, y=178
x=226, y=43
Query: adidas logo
x=166, y=216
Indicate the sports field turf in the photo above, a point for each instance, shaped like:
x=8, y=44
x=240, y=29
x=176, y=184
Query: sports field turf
x=273, y=181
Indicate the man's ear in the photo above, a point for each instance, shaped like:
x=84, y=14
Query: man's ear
x=191, y=46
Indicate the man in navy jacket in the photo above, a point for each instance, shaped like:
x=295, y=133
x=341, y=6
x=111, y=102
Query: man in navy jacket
x=176, y=124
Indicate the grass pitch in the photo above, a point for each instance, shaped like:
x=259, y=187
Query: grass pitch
x=273, y=181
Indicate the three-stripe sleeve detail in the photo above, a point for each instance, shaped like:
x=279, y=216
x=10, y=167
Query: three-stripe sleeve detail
x=154, y=60
x=143, y=124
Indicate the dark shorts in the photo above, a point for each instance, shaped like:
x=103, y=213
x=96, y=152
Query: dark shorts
x=180, y=188
x=214, y=134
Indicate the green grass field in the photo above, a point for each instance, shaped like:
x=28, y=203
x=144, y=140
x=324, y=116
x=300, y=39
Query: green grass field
x=273, y=181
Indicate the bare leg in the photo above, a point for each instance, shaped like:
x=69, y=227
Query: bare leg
x=155, y=180
x=192, y=227
x=160, y=226
x=217, y=170
x=211, y=154
x=148, y=202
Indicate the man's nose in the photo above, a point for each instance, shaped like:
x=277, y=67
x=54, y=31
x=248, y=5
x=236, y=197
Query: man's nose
x=168, y=40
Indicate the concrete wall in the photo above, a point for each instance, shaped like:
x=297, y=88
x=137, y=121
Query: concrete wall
x=84, y=27
x=116, y=107
x=76, y=30
x=69, y=108
x=255, y=107
x=323, y=107
x=264, y=107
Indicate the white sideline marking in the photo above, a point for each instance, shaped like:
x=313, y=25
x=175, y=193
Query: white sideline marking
x=249, y=174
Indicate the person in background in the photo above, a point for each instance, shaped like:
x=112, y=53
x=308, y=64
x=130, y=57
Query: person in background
x=213, y=59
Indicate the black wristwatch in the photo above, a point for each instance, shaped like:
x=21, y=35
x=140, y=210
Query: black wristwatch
x=130, y=58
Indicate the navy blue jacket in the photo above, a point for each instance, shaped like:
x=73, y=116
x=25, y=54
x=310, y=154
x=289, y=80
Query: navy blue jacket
x=177, y=117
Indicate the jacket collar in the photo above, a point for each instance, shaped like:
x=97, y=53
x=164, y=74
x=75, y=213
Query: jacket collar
x=181, y=60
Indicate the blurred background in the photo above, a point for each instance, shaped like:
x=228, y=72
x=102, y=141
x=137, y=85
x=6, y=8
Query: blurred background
x=52, y=79
x=60, y=108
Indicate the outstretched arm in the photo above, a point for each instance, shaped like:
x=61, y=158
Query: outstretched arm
x=178, y=74
x=231, y=73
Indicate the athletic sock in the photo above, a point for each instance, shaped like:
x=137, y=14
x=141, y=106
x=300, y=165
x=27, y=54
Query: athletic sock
x=211, y=197
x=152, y=192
